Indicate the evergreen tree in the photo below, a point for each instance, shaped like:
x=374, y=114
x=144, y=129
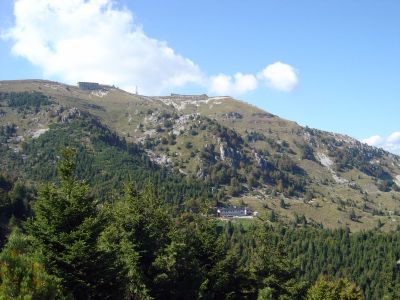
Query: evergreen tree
x=65, y=228
x=275, y=275
x=234, y=188
x=22, y=273
x=165, y=257
x=340, y=289
x=136, y=234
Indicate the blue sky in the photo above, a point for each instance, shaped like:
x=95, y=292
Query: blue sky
x=332, y=65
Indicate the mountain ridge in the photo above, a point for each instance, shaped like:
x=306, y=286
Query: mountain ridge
x=249, y=155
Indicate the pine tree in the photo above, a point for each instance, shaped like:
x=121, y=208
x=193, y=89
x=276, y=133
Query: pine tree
x=22, y=273
x=136, y=234
x=65, y=228
x=274, y=273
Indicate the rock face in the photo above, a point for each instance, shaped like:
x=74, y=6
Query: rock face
x=397, y=180
x=233, y=115
x=228, y=154
x=223, y=141
x=261, y=161
x=70, y=114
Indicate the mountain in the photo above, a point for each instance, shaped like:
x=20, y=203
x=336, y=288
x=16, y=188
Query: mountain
x=218, y=149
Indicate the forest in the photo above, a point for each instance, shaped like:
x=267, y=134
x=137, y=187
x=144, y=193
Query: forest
x=63, y=241
x=84, y=214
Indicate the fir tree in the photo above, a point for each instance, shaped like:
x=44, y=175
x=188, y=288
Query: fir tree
x=65, y=228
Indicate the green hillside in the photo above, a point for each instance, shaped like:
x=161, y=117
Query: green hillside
x=239, y=152
x=109, y=195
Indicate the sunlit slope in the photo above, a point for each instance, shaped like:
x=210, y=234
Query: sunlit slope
x=245, y=153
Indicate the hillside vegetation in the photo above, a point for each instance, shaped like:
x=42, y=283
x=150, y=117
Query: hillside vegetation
x=109, y=195
x=65, y=243
x=234, y=152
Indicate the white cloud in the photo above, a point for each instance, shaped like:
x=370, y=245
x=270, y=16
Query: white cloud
x=94, y=40
x=373, y=140
x=390, y=143
x=79, y=40
x=280, y=76
x=227, y=85
x=394, y=138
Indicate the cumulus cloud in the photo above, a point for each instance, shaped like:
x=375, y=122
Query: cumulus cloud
x=94, y=40
x=238, y=84
x=78, y=40
x=280, y=76
x=373, y=140
x=390, y=143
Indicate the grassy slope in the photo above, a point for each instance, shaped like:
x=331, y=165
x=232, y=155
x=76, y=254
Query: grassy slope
x=331, y=203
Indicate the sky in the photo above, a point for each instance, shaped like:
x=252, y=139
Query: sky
x=331, y=65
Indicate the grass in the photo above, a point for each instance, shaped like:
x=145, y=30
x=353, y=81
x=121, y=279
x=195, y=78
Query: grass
x=123, y=112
